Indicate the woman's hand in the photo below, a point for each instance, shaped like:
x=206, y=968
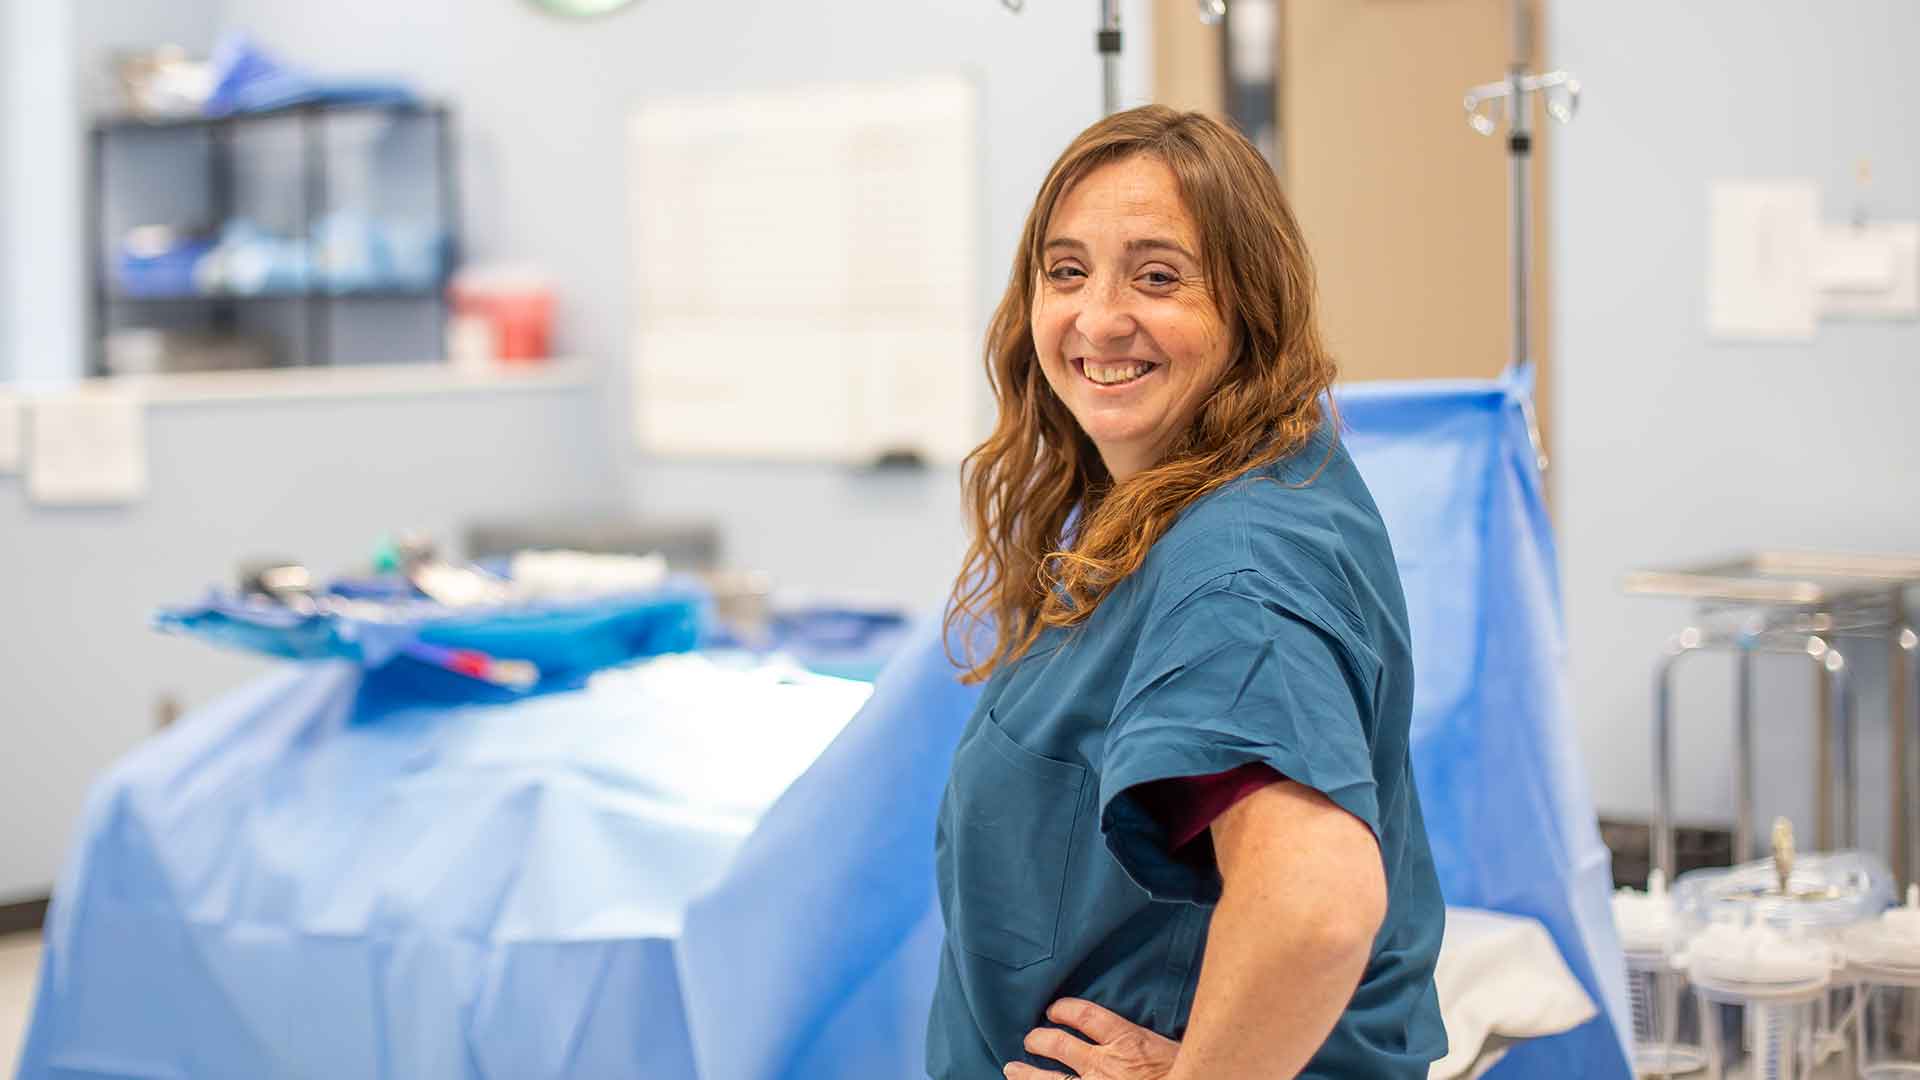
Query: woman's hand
x=1120, y=1050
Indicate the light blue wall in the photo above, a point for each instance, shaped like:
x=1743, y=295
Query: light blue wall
x=8, y=95
x=1672, y=448
x=54, y=69
x=542, y=106
x=9, y=37
x=40, y=184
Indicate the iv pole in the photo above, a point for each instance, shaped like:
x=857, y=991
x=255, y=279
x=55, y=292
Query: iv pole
x=1512, y=99
x=1106, y=42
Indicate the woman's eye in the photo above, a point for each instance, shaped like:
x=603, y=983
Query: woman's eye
x=1066, y=274
x=1159, y=279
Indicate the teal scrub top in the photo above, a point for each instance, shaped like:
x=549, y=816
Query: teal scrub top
x=1266, y=625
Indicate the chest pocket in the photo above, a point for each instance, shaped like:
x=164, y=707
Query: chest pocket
x=1014, y=815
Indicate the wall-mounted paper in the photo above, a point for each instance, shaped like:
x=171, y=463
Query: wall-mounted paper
x=12, y=432
x=1761, y=274
x=87, y=448
x=807, y=273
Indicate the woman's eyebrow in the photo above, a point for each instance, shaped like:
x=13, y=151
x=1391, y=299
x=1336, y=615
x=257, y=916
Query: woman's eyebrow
x=1135, y=246
x=1154, y=243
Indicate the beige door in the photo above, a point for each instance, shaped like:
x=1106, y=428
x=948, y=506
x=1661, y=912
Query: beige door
x=1404, y=206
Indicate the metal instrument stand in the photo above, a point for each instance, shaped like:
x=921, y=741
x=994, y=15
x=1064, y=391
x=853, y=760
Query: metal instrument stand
x=1775, y=603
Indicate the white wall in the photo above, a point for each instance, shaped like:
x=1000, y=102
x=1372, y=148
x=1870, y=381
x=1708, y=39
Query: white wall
x=1670, y=448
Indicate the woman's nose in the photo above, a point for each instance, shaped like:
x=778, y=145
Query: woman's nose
x=1103, y=316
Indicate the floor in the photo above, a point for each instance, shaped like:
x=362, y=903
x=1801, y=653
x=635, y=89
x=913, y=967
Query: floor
x=19, y=964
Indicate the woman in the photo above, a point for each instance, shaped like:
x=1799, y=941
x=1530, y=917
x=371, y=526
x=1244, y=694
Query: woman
x=1181, y=837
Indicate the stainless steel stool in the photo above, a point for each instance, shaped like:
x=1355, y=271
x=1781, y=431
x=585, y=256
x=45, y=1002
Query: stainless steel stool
x=1803, y=604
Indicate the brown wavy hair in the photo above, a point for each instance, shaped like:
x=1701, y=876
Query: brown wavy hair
x=1051, y=533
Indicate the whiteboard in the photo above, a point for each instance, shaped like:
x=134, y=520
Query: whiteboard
x=806, y=269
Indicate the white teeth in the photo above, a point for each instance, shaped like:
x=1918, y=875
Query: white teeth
x=1109, y=374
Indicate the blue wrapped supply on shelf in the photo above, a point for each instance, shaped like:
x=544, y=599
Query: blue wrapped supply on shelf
x=250, y=261
x=358, y=253
x=249, y=79
x=348, y=253
x=158, y=261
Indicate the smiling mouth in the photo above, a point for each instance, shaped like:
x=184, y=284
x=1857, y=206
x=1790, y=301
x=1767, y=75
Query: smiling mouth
x=1113, y=372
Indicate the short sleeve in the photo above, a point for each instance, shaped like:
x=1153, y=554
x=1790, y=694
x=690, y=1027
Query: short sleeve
x=1186, y=806
x=1230, y=676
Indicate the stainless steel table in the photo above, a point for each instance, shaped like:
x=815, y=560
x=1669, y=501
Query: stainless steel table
x=1818, y=607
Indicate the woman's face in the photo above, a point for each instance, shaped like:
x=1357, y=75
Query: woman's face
x=1123, y=319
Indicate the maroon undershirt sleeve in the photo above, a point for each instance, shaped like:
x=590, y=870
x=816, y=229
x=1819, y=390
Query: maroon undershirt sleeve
x=1187, y=805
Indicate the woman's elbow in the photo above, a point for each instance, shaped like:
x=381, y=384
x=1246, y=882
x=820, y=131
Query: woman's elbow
x=1349, y=914
x=1351, y=905
x=1353, y=921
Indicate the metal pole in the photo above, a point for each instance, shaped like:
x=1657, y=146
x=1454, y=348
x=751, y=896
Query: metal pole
x=1520, y=22
x=1848, y=750
x=1838, y=758
x=450, y=218
x=1899, y=841
x=1679, y=645
x=1743, y=740
x=1519, y=157
x=98, y=291
x=1107, y=40
x=316, y=297
x=1823, y=763
x=1906, y=696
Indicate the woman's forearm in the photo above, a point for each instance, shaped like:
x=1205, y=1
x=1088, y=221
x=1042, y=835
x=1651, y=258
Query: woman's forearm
x=1304, y=896
x=1268, y=994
